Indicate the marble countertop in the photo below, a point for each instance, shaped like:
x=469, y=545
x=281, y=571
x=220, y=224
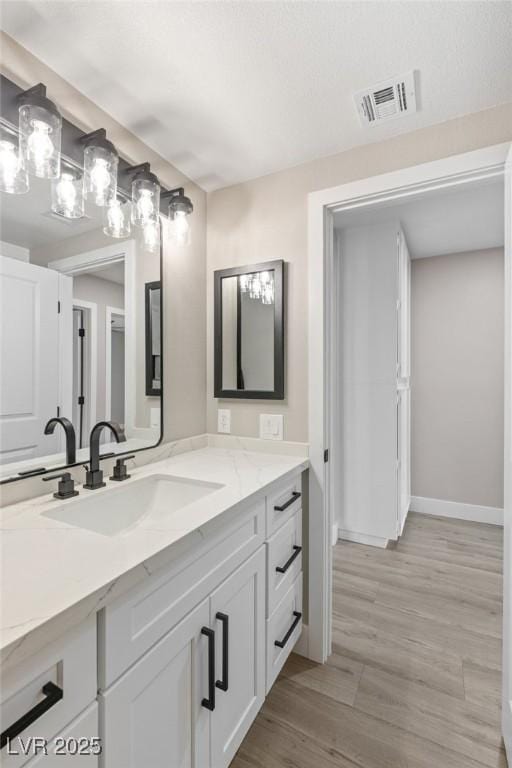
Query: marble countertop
x=54, y=574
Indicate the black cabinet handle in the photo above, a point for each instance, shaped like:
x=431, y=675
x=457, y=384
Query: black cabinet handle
x=281, y=507
x=223, y=684
x=52, y=694
x=209, y=703
x=296, y=552
x=282, y=643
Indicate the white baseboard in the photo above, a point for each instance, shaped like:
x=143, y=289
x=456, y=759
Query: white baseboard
x=457, y=509
x=301, y=646
x=362, y=538
x=507, y=729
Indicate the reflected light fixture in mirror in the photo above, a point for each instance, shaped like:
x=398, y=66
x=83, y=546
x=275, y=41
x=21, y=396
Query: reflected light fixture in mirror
x=180, y=208
x=68, y=193
x=40, y=125
x=118, y=218
x=100, y=168
x=13, y=174
x=145, y=198
x=151, y=236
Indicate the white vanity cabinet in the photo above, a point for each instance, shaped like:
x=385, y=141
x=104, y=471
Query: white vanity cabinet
x=190, y=700
x=172, y=672
x=186, y=658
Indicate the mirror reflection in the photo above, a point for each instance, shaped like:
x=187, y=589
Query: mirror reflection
x=72, y=333
x=249, y=332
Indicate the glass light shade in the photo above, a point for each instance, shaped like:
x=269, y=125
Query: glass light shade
x=118, y=218
x=68, y=194
x=180, y=228
x=267, y=296
x=256, y=288
x=245, y=281
x=40, y=138
x=151, y=236
x=100, y=174
x=13, y=174
x=145, y=199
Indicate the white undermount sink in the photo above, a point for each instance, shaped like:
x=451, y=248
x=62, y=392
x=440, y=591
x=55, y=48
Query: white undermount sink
x=151, y=502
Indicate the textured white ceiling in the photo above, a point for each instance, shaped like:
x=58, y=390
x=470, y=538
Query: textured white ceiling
x=446, y=221
x=233, y=90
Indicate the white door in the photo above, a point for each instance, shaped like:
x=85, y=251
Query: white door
x=153, y=716
x=403, y=380
x=238, y=617
x=29, y=354
x=507, y=569
x=368, y=352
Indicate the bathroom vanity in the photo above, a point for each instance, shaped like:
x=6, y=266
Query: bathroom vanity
x=148, y=620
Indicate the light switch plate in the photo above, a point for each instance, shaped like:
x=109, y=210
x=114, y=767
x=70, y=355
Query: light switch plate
x=271, y=426
x=224, y=420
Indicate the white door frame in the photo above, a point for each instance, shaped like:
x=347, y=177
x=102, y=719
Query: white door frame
x=109, y=311
x=110, y=254
x=91, y=308
x=448, y=172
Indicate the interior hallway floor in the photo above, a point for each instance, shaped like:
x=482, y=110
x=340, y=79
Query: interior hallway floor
x=414, y=677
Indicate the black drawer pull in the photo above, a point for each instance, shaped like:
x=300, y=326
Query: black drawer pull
x=209, y=703
x=52, y=694
x=281, y=507
x=223, y=684
x=296, y=552
x=282, y=643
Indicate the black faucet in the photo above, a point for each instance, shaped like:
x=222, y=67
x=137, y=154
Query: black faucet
x=94, y=475
x=70, y=436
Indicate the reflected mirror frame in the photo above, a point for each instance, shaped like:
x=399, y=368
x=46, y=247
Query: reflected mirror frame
x=28, y=475
x=278, y=267
x=151, y=391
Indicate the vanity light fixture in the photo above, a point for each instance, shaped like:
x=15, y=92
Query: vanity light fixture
x=13, y=174
x=259, y=286
x=100, y=168
x=118, y=217
x=40, y=125
x=68, y=193
x=145, y=197
x=180, y=208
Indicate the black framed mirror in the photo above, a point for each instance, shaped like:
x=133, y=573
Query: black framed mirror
x=249, y=331
x=153, y=339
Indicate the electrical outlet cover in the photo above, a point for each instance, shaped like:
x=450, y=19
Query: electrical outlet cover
x=224, y=420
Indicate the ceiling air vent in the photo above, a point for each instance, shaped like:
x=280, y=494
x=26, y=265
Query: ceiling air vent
x=387, y=100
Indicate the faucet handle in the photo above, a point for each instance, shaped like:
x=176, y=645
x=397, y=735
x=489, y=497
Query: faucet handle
x=120, y=471
x=66, y=488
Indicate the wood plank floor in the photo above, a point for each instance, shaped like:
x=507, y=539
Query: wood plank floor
x=414, y=678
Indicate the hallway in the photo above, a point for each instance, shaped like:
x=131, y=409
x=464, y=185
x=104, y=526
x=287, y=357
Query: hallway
x=414, y=678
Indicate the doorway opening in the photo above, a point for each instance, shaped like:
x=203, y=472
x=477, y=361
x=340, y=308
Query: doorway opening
x=455, y=171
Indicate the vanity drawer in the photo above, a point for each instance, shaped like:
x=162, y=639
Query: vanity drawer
x=282, y=502
x=75, y=746
x=67, y=667
x=284, y=560
x=283, y=630
x=131, y=625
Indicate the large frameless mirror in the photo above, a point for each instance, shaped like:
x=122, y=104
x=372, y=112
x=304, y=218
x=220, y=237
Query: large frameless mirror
x=249, y=332
x=73, y=332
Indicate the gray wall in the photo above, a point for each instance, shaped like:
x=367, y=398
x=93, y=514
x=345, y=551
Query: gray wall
x=457, y=377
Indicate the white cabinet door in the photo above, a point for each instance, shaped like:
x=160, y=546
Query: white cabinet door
x=153, y=715
x=238, y=617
